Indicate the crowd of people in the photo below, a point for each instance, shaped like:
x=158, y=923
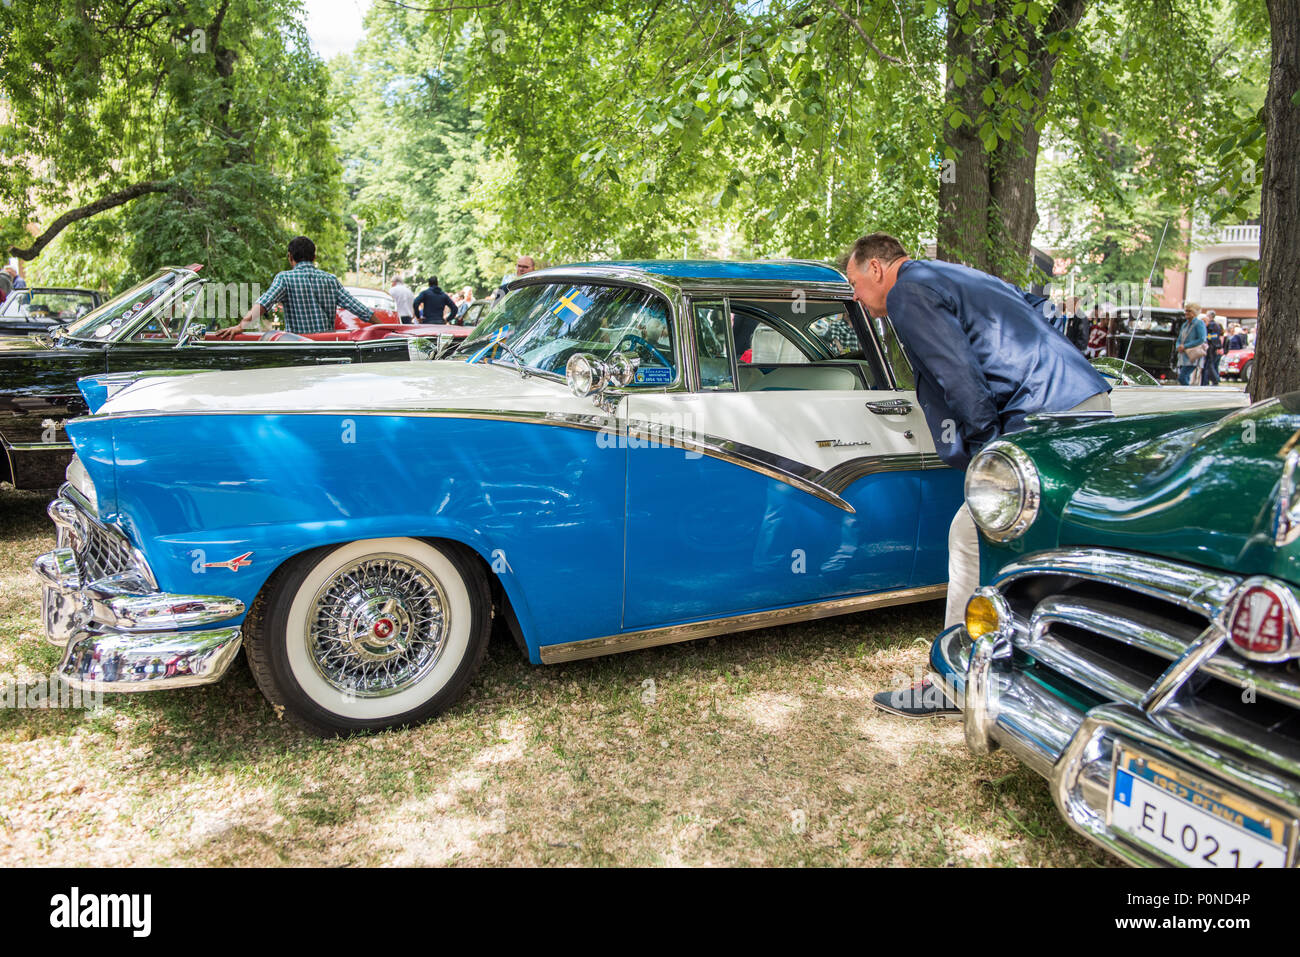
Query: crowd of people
x=433, y=305
x=1202, y=339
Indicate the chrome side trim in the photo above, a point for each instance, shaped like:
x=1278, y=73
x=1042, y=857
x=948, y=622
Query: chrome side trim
x=650, y=637
x=839, y=477
x=151, y=661
x=39, y=446
x=804, y=477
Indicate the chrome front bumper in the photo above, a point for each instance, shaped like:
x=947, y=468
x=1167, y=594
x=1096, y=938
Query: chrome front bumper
x=1073, y=746
x=118, y=631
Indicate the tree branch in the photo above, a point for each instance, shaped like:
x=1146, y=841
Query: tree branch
x=85, y=212
x=866, y=37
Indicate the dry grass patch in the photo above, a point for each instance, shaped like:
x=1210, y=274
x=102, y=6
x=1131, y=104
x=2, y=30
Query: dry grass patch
x=752, y=749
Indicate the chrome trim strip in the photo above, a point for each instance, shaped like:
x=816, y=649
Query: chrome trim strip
x=38, y=446
x=839, y=477
x=1198, y=589
x=651, y=637
x=132, y=662
x=806, y=478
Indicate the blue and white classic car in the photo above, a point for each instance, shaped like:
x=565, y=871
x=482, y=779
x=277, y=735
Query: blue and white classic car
x=621, y=455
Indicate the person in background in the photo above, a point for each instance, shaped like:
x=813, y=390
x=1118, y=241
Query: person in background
x=433, y=305
x=1077, y=327
x=466, y=300
x=1214, y=340
x=1238, y=338
x=310, y=296
x=523, y=267
x=984, y=362
x=404, y=298
x=6, y=282
x=1098, y=336
x=1190, y=348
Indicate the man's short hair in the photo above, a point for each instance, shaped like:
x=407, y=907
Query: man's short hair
x=302, y=249
x=433, y=280
x=880, y=246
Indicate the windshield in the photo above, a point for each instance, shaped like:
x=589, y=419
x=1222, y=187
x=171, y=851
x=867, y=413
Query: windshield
x=103, y=323
x=545, y=324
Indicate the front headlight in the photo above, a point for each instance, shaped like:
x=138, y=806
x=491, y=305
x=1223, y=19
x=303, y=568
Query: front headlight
x=80, y=480
x=1002, y=491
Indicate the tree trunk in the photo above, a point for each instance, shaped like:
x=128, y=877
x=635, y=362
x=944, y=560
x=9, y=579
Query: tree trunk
x=964, y=183
x=1277, y=365
x=988, y=209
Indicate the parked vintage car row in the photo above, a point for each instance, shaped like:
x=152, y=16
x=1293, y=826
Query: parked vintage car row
x=624, y=455
x=153, y=326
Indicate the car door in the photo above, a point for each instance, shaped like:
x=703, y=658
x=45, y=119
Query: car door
x=801, y=479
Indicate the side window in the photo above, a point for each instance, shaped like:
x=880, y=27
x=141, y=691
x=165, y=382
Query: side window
x=711, y=344
x=759, y=342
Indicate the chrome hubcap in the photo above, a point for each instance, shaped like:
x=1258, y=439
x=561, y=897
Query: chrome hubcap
x=377, y=625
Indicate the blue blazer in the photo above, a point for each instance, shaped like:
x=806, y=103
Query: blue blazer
x=984, y=354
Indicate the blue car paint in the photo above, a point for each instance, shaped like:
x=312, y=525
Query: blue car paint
x=533, y=501
x=706, y=539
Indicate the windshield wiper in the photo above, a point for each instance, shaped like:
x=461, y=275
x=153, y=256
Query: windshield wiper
x=499, y=340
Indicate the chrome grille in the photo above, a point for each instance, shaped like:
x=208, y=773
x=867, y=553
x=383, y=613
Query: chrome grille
x=1119, y=623
x=100, y=551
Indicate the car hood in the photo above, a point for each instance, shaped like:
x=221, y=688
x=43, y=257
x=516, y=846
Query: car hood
x=1205, y=495
x=369, y=387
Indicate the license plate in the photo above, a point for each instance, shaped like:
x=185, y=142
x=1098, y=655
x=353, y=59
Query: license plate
x=1191, y=818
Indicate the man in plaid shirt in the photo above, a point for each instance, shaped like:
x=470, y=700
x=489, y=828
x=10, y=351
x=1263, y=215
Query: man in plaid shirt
x=310, y=295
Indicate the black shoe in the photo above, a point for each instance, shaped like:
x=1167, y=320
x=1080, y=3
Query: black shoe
x=924, y=700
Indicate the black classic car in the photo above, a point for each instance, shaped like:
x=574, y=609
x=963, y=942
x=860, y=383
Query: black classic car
x=1146, y=338
x=155, y=325
x=38, y=309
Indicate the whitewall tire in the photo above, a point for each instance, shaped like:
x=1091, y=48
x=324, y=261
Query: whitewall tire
x=369, y=635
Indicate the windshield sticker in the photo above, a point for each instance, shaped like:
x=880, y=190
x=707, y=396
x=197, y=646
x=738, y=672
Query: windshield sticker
x=497, y=336
x=655, y=375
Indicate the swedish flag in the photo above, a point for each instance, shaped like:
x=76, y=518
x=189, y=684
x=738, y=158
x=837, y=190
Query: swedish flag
x=570, y=308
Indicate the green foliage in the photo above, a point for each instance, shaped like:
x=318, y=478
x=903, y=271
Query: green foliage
x=221, y=100
x=416, y=167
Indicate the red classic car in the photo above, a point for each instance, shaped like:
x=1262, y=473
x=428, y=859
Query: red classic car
x=1237, y=364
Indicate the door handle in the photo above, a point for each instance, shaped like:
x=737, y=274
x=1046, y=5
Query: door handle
x=890, y=407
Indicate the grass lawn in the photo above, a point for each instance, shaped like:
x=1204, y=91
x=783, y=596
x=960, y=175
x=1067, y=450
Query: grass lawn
x=756, y=749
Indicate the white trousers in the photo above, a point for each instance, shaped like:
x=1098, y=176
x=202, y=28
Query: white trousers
x=964, y=542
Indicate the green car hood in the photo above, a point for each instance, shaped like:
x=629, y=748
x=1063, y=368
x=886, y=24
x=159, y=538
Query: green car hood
x=1205, y=495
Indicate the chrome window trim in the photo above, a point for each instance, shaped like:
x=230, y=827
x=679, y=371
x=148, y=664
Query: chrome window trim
x=670, y=634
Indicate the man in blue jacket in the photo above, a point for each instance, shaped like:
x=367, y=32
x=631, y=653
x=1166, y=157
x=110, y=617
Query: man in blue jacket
x=985, y=358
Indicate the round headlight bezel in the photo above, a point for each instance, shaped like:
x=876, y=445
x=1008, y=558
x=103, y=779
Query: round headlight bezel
x=1030, y=491
x=585, y=374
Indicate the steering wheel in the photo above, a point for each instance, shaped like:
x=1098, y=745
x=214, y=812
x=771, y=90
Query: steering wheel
x=637, y=340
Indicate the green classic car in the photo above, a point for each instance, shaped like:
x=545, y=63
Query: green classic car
x=1135, y=640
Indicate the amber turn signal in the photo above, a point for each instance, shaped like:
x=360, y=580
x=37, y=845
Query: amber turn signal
x=982, y=617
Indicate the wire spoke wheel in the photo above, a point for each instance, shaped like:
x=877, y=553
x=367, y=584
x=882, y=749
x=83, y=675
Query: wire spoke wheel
x=378, y=626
